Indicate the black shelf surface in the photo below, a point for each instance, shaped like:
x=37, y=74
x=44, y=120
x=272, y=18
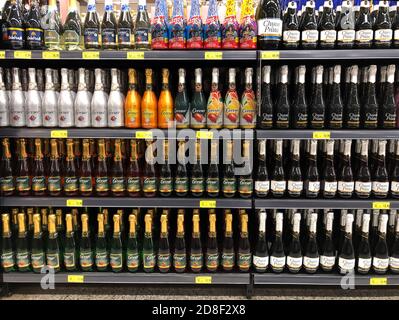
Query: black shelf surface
x=333, y=279
x=125, y=133
x=119, y=202
x=133, y=55
x=132, y=278
x=333, y=134
x=291, y=203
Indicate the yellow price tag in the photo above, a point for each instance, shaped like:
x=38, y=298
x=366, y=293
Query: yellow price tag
x=207, y=203
x=2, y=54
x=270, y=55
x=213, y=55
x=76, y=278
x=59, y=133
x=383, y=205
x=143, y=135
x=378, y=281
x=50, y=55
x=23, y=54
x=204, y=135
x=74, y=203
x=91, y=55
x=321, y=135
x=135, y=55
x=203, y=280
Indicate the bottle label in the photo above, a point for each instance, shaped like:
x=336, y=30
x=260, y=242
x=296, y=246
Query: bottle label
x=53, y=260
x=248, y=110
x=245, y=185
x=101, y=259
x=133, y=184
x=282, y=120
x=277, y=262
x=229, y=185
x=177, y=35
x=346, y=265
x=212, y=260
x=34, y=36
x=117, y=184
x=312, y=186
x=244, y=260
x=330, y=187
x=362, y=187
x=23, y=259
x=295, y=186
x=179, y=261
x=125, y=37
x=71, y=184
x=7, y=260
x=228, y=260
x=395, y=186
x=86, y=259
x=294, y=263
x=364, y=264
x=346, y=186
x=148, y=260
x=311, y=263
x=181, y=185
x=15, y=34
x=71, y=37
x=248, y=32
x=215, y=110
x=194, y=33
x=212, y=33
x=142, y=36
x=262, y=186
x=327, y=261
x=102, y=184
x=346, y=35
x=328, y=36
x=270, y=29
x=69, y=260
x=132, y=260
x=182, y=116
x=38, y=260
x=108, y=36
x=394, y=263
x=165, y=184
x=196, y=261
x=85, y=184
x=278, y=186
x=149, y=184
x=82, y=117
x=380, y=187
x=197, y=185
x=54, y=183
x=212, y=185
x=22, y=183
x=380, y=264
x=7, y=183
x=291, y=36
x=91, y=36
x=163, y=261
x=364, y=35
x=260, y=262
x=231, y=109
x=310, y=36
x=383, y=35
x=198, y=115
x=116, y=260
x=39, y=183
x=159, y=32
x=396, y=34
x=51, y=37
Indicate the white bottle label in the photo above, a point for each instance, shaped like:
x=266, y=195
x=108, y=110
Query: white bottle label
x=380, y=186
x=364, y=264
x=295, y=186
x=383, y=35
x=395, y=186
x=261, y=262
x=311, y=263
x=327, y=262
x=328, y=36
x=291, y=36
x=313, y=186
x=262, y=186
x=344, y=186
x=294, y=263
x=396, y=35
x=394, y=263
x=346, y=35
x=364, y=35
x=278, y=186
x=380, y=263
x=270, y=28
x=346, y=264
x=310, y=36
x=363, y=187
x=330, y=186
x=277, y=262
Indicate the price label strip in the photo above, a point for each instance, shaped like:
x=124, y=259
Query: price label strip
x=23, y=54
x=381, y=205
x=2, y=54
x=207, y=203
x=54, y=55
x=76, y=278
x=135, y=55
x=91, y=55
x=203, y=280
x=204, y=135
x=213, y=55
x=74, y=203
x=321, y=135
x=143, y=135
x=62, y=134
x=270, y=55
x=378, y=281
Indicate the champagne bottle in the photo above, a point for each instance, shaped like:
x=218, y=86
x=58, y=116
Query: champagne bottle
x=52, y=27
x=53, y=245
x=132, y=254
x=133, y=172
x=86, y=172
x=101, y=179
x=394, y=253
x=248, y=103
x=311, y=257
x=261, y=255
x=8, y=262
x=118, y=181
x=300, y=106
x=228, y=256
x=181, y=179
x=395, y=28
x=196, y=255
x=91, y=27
x=312, y=180
x=329, y=182
x=370, y=107
x=132, y=102
x=364, y=27
x=23, y=181
x=125, y=27
x=278, y=184
x=65, y=102
x=72, y=30
x=164, y=257
x=99, y=102
x=116, y=252
x=39, y=185
x=265, y=120
x=82, y=102
x=244, y=257
x=4, y=102
x=182, y=106
x=380, y=180
x=109, y=27
x=101, y=257
x=308, y=27
x=328, y=252
x=352, y=112
x=71, y=186
x=317, y=106
x=15, y=27
x=148, y=246
x=212, y=251
x=282, y=110
x=387, y=117
x=142, y=30
x=7, y=178
x=383, y=26
x=295, y=181
x=229, y=184
x=165, y=103
x=54, y=175
x=165, y=174
x=291, y=33
x=363, y=177
x=23, y=258
x=277, y=255
x=85, y=252
x=346, y=260
x=270, y=25
x=245, y=181
x=212, y=179
x=116, y=102
x=346, y=183
x=149, y=104
x=335, y=108
x=198, y=103
x=346, y=26
x=363, y=249
x=179, y=254
x=262, y=183
x=328, y=35
x=17, y=101
x=214, y=118
x=294, y=257
x=150, y=179
x=70, y=245
x=381, y=256
x=37, y=250
x=33, y=102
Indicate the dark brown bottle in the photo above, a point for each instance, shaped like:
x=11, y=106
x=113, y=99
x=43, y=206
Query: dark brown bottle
x=102, y=178
x=54, y=180
x=197, y=175
x=7, y=179
x=150, y=183
x=39, y=185
x=229, y=184
x=118, y=181
x=133, y=172
x=86, y=179
x=212, y=180
x=165, y=174
x=23, y=180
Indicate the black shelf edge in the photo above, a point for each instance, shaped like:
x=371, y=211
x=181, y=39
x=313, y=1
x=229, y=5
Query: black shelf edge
x=130, y=202
x=348, y=281
x=133, y=278
x=334, y=134
x=125, y=133
x=325, y=203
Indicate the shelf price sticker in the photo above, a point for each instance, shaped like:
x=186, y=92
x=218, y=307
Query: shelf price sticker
x=74, y=203
x=143, y=135
x=204, y=135
x=322, y=135
x=213, y=55
x=23, y=54
x=59, y=134
x=378, y=281
x=76, y=278
x=203, y=280
x=207, y=203
x=2, y=54
x=270, y=55
x=381, y=205
x=135, y=55
x=91, y=55
x=55, y=55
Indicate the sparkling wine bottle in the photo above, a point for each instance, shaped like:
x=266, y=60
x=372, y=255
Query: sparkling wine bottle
x=17, y=101
x=65, y=102
x=116, y=102
x=49, y=103
x=82, y=103
x=4, y=103
x=99, y=103
x=33, y=102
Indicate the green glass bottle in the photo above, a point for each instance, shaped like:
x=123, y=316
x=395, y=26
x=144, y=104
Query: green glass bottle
x=72, y=30
x=101, y=256
x=86, y=254
x=212, y=180
x=180, y=255
x=165, y=174
x=70, y=253
x=23, y=258
x=132, y=253
x=37, y=252
x=228, y=256
x=181, y=178
x=212, y=252
x=7, y=252
x=164, y=259
x=116, y=257
x=148, y=246
x=197, y=175
x=244, y=256
x=53, y=245
x=196, y=255
x=60, y=228
x=229, y=184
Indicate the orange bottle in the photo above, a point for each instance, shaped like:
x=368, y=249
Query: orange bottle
x=148, y=104
x=132, y=103
x=165, y=103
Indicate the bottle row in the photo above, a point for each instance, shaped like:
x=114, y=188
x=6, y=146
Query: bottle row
x=96, y=98
x=322, y=99
x=120, y=168
x=361, y=241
